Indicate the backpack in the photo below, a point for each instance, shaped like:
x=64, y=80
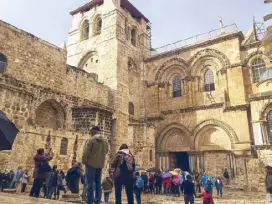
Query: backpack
x=139, y=182
x=71, y=175
x=127, y=164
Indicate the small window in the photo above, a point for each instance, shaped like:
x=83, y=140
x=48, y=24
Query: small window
x=258, y=67
x=131, y=108
x=97, y=25
x=209, y=81
x=3, y=63
x=131, y=64
x=269, y=126
x=177, y=87
x=85, y=29
x=150, y=155
x=133, y=37
x=63, y=146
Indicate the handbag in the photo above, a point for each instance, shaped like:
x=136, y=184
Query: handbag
x=44, y=167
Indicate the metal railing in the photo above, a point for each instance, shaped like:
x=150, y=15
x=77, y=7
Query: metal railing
x=195, y=39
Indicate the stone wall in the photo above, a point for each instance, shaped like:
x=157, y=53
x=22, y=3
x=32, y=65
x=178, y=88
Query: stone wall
x=38, y=92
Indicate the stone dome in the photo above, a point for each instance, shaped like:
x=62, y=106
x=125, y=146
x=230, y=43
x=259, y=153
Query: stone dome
x=266, y=75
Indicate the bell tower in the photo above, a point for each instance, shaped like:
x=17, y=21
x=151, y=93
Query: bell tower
x=111, y=39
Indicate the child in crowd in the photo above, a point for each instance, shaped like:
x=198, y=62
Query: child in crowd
x=139, y=187
x=107, y=186
x=207, y=197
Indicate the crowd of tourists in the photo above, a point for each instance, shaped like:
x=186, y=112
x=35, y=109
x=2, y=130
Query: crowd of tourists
x=10, y=179
x=123, y=174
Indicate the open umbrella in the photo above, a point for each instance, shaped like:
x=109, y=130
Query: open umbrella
x=138, y=168
x=166, y=175
x=8, y=132
x=153, y=170
x=174, y=173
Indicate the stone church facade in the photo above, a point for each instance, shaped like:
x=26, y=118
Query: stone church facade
x=204, y=106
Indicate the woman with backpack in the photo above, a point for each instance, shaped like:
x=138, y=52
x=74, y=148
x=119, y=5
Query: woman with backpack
x=139, y=187
x=124, y=166
x=219, y=186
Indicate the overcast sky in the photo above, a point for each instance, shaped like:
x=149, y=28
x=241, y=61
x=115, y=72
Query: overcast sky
x=172, y=20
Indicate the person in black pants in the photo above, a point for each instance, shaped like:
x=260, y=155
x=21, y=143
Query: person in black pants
x=189, y=190
x=124, y=166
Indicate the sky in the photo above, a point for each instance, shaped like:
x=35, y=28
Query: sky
x=171, y=20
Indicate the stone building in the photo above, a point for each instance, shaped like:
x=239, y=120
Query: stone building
x=202, y=104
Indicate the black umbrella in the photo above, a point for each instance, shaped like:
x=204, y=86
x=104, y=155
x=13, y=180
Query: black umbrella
x=154, y=169
x=8, y=132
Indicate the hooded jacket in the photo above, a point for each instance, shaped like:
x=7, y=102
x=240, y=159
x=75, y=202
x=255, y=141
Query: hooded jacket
x=95, y=151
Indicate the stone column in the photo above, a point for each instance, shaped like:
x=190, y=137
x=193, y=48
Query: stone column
x=257, y=132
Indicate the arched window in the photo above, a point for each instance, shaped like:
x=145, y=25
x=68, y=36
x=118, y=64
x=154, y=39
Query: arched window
x=3, y=63
x=177, y=87
x=150, y=156
x=209, y=81
x=131, y=64
x=85, y=29
x=131, y=108
x=258, y=67
x=269, y=126
x=97, y=25
x=63, y=146
x=133, y=36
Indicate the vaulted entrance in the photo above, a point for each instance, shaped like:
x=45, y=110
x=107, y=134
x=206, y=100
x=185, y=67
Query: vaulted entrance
x=207, y=148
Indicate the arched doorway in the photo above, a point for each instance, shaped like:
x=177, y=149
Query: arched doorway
x=214, y=141
x=208, y=148
x=173, y=146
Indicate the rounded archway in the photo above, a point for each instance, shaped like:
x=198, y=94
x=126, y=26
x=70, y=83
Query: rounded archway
x=50, y=114
x=213, y=135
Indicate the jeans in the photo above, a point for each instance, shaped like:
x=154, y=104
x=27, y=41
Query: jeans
x=168, y=191
x=159, y=189
x=176, y=190
x=151, y=188
x=36, y=188
x=118, y=184
x=189, y=199
x=198, y=187
x=93, y=180
x=51, y=191
x=106, y=196
x=138, y=192
x=23, y=187
x=219, y=191
x=60, y=188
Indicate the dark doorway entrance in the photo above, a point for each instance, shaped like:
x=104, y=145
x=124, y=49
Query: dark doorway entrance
x=182, y=161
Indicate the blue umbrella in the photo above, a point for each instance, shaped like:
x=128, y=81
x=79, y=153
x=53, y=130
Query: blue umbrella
x=167, y=175
x=8, y=132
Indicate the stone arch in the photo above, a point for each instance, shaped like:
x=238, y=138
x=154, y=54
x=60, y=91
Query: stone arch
x=89, y=62
x=213, y=123
x=171, y=131
x=264, y=112
x=172, y=64
x=253, y=55
x=212, y=57
x=50, y=114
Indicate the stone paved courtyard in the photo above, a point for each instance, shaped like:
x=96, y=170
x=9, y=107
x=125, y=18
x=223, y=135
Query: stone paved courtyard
x=230, y=197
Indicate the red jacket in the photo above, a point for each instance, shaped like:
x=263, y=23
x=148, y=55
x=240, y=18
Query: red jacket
x=151, y=180
x=207, y=196
x=168, y=183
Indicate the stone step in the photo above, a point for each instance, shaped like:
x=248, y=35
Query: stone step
x=10, y=191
